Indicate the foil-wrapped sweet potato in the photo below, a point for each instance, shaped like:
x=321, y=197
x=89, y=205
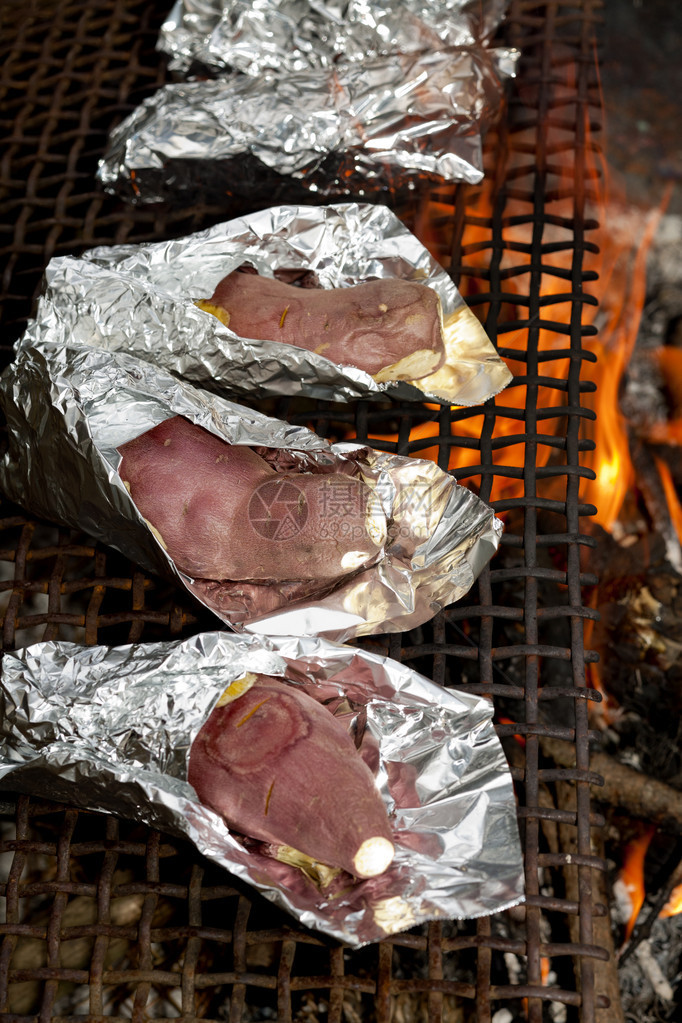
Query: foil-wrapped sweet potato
x=390, y=328
x=223, y=513
x=279, y=767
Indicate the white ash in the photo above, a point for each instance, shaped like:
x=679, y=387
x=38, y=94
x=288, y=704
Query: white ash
x=652, y=970
x=650, y=979
x=621, y=905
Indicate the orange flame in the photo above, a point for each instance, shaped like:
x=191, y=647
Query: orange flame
x=521, y=739
x=613, y=263
x=672, y=499
x=545, y=970
x=545, y=967
x=632, y=874
x=624, y=286
x=674, y=904
x=615, y=256
x=515, y=257
x=608, y=711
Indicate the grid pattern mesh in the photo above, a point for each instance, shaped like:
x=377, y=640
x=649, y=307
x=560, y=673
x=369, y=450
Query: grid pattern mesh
x=106, y=919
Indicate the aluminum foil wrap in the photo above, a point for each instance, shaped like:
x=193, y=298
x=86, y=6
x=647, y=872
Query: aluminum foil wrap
x=298, y=35
x=68, y=409
x=111, y=728
x=140, y=299
x=348, y=131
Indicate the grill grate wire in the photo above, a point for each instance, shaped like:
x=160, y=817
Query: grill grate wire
x=107, y=919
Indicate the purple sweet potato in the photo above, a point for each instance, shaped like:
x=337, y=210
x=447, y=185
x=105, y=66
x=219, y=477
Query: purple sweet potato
x=241, y=601
x=390, y=328
x=223, y=513
x=278, y=767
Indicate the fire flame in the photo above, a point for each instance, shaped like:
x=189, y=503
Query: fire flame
x=620, y=269
x=545, y=977
x=632, y=875
x=614, y=258
x=671, y=496
x=623, y=281
x=674, y=904
x=612, y=287
x=617, y=238
x=608, y=711
x=521, y=739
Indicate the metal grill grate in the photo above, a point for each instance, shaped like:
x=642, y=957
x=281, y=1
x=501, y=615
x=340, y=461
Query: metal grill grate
x=106, y=919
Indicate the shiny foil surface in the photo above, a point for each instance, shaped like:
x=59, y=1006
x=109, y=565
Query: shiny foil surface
x=253, y=36
x=111, y=728
x=140, y=299
x=392, y=123
x=69, y=407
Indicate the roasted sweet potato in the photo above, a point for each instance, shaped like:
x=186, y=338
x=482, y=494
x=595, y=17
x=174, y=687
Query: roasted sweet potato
x=279, y=767
x=223, y=513
x=390, y=328
x=241, y=601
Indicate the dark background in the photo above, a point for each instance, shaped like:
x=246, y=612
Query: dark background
x=642, y=82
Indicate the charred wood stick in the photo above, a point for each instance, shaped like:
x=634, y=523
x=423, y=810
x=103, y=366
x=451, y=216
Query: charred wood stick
x=651, y=486
x=606, y=973
x=642, y=796
x=606, y=983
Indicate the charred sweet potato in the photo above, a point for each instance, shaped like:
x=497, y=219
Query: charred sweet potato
x=223, y=513
x=390, y=328
x=279, y=767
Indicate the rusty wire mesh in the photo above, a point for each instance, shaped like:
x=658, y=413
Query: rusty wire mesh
x=105, y=919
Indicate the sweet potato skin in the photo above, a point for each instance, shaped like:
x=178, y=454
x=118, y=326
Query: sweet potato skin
x=372, y=325
x=223, y=513
x=278, y=767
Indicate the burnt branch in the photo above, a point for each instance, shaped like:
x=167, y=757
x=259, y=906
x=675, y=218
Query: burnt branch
x=642, y=796
x=651, y=486
x=605, y=971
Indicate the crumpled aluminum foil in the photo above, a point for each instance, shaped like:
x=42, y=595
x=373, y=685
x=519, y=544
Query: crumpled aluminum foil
x=140, y=299
x=353, y=130
x=297, y=35
x=69, y=407
x=110, y=729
